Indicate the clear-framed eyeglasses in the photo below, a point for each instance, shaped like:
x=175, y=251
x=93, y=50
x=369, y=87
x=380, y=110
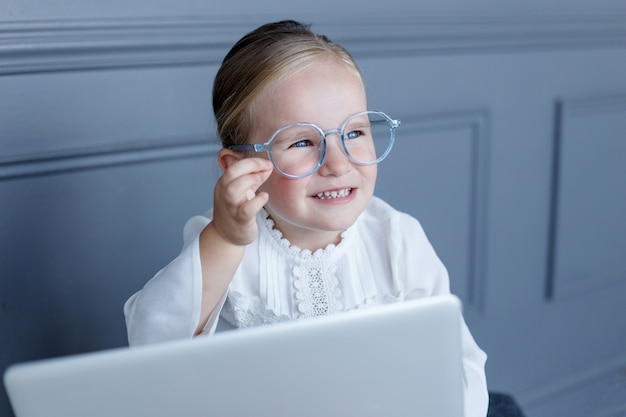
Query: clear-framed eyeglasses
x=297, y=150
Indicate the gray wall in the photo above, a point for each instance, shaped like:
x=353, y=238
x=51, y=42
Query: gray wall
x=511, y=152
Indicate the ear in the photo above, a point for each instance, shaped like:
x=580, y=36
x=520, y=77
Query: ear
x=227, y=157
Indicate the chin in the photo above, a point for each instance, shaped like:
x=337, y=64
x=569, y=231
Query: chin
x=339, y=224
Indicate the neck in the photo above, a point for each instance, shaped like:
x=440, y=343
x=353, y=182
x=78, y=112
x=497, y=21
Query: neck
x=320, y=240
x=304, y=239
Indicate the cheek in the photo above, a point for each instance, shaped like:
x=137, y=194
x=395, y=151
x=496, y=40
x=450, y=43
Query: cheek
x=281, y=189
x=369, y=173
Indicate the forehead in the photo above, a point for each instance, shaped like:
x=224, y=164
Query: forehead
x=325, y=92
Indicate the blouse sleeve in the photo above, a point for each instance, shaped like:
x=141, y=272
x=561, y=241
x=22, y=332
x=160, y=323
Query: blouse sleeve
x=168, y=306
x=422, y=274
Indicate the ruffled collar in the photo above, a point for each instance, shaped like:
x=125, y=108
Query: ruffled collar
x=296, y=252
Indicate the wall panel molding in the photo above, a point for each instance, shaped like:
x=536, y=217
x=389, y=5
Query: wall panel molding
x=587, y=227
x=69, y=45
x=80, y=159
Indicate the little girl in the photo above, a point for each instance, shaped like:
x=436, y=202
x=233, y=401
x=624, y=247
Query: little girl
x=295, y=230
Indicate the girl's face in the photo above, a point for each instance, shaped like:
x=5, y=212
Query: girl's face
x=312, y=212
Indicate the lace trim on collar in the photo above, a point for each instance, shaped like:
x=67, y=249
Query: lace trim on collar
x=295, y=251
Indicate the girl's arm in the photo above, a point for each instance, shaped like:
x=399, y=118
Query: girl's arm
x=179, y=300
x=223, y=241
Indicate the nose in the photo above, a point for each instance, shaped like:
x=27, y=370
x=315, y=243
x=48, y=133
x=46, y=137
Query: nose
x=336, y=162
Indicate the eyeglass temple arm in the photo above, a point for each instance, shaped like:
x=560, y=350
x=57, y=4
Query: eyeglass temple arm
x=250, y=147
x=394, y=123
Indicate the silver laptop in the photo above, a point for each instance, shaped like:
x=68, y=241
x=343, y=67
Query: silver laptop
x=395, y=360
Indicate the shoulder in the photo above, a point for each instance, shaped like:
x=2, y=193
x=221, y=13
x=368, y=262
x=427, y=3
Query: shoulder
x=413, y=262
x=194, y=226
x=382, y=225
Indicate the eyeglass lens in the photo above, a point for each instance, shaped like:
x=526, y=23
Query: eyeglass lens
x=297, y=150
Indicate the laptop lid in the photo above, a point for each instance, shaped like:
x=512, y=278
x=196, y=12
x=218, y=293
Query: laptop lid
x=401, y=359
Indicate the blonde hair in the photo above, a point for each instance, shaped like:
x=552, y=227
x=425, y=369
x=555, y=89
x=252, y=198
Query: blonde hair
x=258, y=60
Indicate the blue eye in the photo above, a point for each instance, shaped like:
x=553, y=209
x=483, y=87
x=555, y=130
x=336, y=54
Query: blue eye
x=353, y=134
x=301, y=143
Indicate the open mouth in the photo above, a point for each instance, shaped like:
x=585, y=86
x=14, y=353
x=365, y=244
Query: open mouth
x=329, y=195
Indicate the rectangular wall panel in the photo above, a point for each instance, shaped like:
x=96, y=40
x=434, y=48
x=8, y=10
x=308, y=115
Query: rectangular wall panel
x=589, y=229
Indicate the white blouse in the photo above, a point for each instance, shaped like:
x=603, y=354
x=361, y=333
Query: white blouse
x=384, y=257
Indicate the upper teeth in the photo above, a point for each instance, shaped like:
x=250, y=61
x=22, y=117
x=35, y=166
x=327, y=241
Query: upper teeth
x=334, y=194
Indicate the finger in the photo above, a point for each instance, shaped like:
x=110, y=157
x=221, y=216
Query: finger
x=243, y=188
x=261, y=177
x=250, y=208
x=250, y=194
x=247, y=166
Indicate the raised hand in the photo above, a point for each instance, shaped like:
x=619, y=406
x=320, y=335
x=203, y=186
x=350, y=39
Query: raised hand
x=236, y=201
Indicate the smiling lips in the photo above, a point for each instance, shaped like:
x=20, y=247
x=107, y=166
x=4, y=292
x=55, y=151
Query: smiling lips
x=328, y=195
